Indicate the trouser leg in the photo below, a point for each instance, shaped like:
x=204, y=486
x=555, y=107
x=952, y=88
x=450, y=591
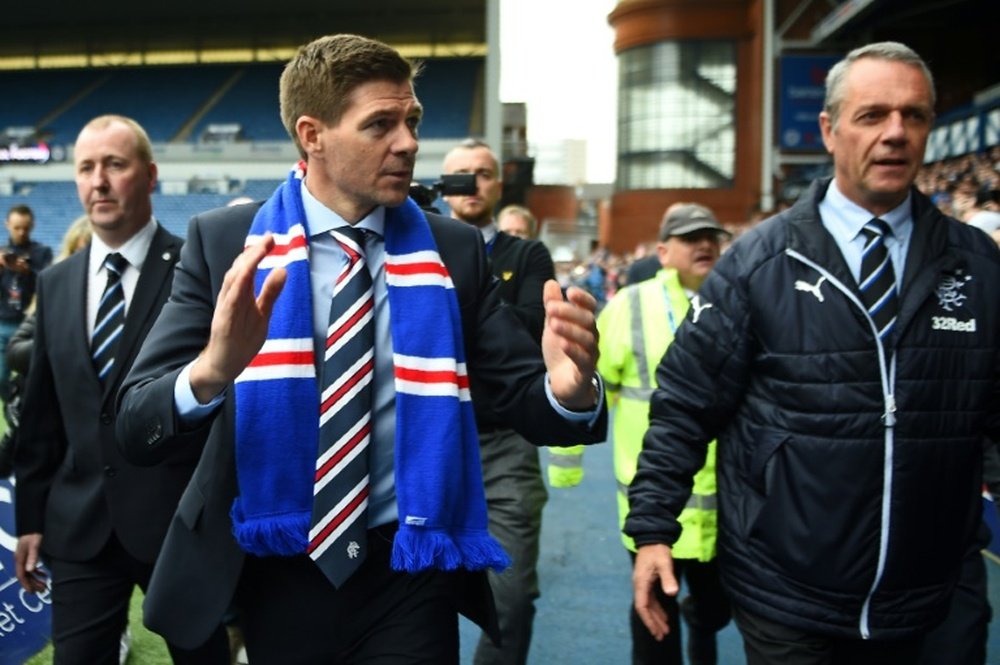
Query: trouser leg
x=515, y=497
x=705, y=610
x=90, y=601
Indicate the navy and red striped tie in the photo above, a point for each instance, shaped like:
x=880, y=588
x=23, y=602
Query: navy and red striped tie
x=339, y=526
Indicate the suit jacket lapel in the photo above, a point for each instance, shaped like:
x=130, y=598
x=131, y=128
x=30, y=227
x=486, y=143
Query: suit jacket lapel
x=71, y=294
x=164, y=250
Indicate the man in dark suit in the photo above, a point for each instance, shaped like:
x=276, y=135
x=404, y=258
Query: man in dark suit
x=512, y=475
x=349, y=105
x=97, y=521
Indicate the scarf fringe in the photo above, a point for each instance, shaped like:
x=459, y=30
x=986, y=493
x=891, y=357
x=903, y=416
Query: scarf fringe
x=270, y=535
x=416, y=549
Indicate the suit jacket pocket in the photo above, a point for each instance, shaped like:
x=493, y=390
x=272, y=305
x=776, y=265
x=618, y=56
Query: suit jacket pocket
x=191, y=506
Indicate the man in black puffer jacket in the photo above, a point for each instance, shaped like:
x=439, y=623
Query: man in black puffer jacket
x=849, y=432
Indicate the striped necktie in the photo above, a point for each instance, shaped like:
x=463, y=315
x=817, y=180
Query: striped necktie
x=339, y=527
x=877, y=280
x=110, y=317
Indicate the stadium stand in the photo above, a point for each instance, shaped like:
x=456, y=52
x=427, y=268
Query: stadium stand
x=56, y=205
x=447, y=88
x=34, y=95
x=161, y=99
x=166, y=99
x=251, y=103
x=176, y=105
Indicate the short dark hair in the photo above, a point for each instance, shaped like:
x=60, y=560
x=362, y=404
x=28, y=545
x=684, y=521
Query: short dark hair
x=21, y=209
x=319, y=80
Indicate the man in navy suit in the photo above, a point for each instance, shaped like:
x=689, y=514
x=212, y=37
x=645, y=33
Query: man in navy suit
x=97, y=521
x=348, y=103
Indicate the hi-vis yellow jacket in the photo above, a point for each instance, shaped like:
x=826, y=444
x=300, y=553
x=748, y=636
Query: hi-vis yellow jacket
x=636, y=327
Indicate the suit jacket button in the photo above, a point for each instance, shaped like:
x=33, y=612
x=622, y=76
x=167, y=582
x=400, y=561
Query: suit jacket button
x=110, y=471
x=106, y=418
x=154, y=433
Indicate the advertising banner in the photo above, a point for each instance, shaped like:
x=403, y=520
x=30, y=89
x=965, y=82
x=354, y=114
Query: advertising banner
x=801, y=100
x=25, y=618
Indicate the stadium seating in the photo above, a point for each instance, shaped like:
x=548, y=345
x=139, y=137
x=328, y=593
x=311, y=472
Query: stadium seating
x=176, y=104
x=34, y=95
x=252, y=102
x=447, y=88
x=164, y=99
x=56, y=206
x=161, y=99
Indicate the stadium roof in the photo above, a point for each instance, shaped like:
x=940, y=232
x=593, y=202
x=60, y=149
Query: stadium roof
x=957, y=38
x=119, y=32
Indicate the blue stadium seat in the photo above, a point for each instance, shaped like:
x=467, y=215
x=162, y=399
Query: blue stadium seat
x=161, y=99
x=56, y=205
x=34, y=94
x=447, y=88
x=253, y=103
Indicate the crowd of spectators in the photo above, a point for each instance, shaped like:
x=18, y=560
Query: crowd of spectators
x=956, y=184
x=960, y=187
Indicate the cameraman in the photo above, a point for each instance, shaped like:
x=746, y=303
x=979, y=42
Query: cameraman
x=20, y=262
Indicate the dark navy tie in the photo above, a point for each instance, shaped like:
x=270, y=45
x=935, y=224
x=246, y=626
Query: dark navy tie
x=877, y=281
x=110, y=317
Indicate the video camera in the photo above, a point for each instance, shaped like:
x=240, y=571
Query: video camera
x=453, y=184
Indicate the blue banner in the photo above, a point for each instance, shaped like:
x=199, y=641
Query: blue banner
x=801, y=99
x=25, y=618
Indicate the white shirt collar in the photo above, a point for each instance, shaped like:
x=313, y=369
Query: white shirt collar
x=134, y=249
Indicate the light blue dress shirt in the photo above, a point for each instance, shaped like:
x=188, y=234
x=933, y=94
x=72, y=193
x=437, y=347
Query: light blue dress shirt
x=326, y=262
x=844, y=219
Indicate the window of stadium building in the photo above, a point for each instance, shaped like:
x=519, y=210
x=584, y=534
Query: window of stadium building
x=676, y=115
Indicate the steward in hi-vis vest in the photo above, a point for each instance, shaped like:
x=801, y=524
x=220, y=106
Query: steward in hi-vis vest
x=636, y=327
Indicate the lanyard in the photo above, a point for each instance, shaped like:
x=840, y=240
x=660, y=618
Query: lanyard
x=671, y=319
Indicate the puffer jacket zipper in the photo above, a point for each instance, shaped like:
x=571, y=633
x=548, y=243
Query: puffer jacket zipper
x=887, y=371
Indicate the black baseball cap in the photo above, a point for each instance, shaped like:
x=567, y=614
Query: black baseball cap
x=688, y=218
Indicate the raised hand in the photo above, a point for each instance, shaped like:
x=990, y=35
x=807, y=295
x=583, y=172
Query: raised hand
x=239, y=324
x=569, y=345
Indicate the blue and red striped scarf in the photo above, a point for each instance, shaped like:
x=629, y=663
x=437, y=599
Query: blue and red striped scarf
x=438, y=478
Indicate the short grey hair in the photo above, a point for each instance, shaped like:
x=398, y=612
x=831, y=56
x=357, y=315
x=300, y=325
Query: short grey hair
x=472, y=143
x=878, y=51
